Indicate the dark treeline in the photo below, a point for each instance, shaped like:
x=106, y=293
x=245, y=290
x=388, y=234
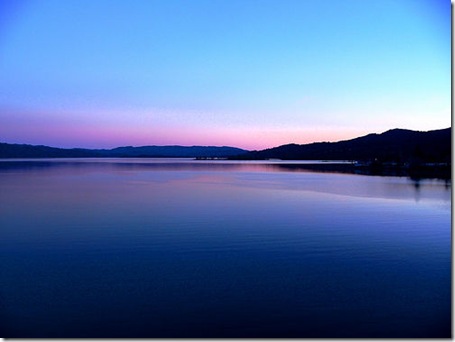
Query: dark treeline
x=397, y=152
x=397, y=145
x=32, y=151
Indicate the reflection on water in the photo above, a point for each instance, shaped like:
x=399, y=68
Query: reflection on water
x=181, y=248
x=337, y=183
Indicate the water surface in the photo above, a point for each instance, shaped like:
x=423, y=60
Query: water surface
x=182, y=248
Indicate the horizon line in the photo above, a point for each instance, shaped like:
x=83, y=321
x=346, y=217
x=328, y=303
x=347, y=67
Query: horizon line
x=217, y=146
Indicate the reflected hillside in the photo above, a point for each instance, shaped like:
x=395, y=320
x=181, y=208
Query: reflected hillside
x=304, y=176
x=415, y=172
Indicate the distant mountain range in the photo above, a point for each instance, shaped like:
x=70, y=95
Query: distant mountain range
x=32, y=151
x=396, y=145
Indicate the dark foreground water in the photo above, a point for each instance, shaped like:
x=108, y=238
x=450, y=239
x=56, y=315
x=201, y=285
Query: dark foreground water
x=143, y=248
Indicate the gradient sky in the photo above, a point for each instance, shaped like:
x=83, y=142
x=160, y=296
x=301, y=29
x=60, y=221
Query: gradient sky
x=246, y=73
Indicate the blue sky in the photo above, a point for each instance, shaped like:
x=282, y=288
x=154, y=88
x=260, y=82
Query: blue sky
x=252, y=74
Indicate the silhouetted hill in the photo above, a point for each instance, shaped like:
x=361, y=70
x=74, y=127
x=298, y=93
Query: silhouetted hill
x=175, y=151
x=32, y=151
x=40, y=151
x=396, y=145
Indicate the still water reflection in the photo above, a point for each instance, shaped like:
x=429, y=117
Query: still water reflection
x=181, y=248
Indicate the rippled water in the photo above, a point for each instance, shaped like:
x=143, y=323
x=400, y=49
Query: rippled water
x=181, y=248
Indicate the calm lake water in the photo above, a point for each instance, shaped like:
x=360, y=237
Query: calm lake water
x=182, y=248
